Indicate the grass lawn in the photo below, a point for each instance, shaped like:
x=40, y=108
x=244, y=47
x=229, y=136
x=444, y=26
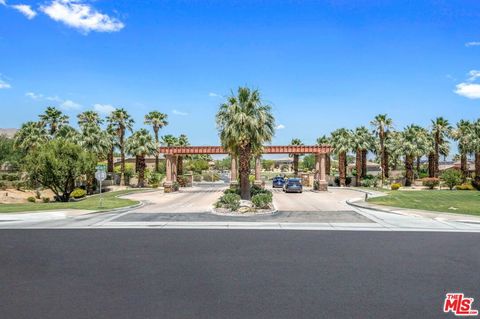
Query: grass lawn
x=110, y=201
x=464, y=202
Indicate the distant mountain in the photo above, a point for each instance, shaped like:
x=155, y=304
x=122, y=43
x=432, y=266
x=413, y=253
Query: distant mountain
x=10, y=132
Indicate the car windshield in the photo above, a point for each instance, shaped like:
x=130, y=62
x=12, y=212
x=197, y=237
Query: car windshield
x=294, y=182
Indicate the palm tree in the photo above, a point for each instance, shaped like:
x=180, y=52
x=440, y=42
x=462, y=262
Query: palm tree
x=121, y=121
x=362, y=141
x=411, y=143
x=382, y=123
x=342, y=142
x=441, y=129
x=245, y=124
x=30, y=136
x=463, y=135
x=475, y=148
x=53, y=119
x=168, y=140
x=157, y=120
x=181, y=141
x=324, y=140
x=68, y=133
x=295, y=141
x=141, y=144
x=111, y=134
x=89, y=118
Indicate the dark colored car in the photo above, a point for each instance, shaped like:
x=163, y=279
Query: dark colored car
x=278, y=182
x=293, y=185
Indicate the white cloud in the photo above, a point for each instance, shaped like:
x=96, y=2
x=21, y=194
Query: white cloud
x=474, y=74
x=280, y=127
x=4, y=85
x=177, y=112
x=34, y=96
x=472, y=44
x=3, y=2
x=103, y=108
x=26, y=10
x=468, y=90
x=70, y=105
x=211, y=94
x=79, y=15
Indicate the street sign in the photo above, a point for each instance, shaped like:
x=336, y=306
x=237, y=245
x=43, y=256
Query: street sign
x=101, y=167
x=101, y=176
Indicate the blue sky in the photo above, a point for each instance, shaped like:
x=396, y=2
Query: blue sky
x=320, y=64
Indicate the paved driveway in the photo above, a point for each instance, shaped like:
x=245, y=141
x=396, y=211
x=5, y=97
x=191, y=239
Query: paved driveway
x=309, y=201
x=195, y=199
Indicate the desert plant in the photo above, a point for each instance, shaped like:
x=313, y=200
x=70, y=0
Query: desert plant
x=229, y=201
x=262, y=200
x=78, y=193
x=452, y=178
x=395, y=186
x=431, y=182
x=31, y=199
x=465, y=187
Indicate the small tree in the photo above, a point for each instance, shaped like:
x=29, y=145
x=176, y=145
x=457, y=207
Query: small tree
x=57, y=165
x=452, y=178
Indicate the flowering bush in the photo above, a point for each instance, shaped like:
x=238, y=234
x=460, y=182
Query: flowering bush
x=395, y=187
x=431, y=182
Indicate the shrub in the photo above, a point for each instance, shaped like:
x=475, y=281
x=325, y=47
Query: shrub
x=262, y=200
x=476, y=183
x=348, y=181
x=3, y=186
x=182, y=181
x=431, y=182
x=229, y=201
x=31, y=199
x=155, y=179
x=78, y=193
x=395, y=186
x=254, y=190
x=465, y=187
x=46, y=199
x=452, y=178
x=232, y=191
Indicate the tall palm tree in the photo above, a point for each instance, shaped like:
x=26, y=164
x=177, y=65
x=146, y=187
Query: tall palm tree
x=68, y=133
x=295, y=141
x=441, y=129
x=342, y=142
x=245, y=124
x=411, y=141
x=169, y=140
x=181, y=141
x=382, y=124
x=111, y=134
x=53, y=118
x=121, y=122
x=157, y=120
x=325, y=140
x=141, y=144
x=362, y=141
x=463, y=135
x=89, y=118
x=475, y=148
x=30, y=136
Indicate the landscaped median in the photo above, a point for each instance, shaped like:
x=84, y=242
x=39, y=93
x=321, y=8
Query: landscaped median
x=460, y=202
x=110, y=201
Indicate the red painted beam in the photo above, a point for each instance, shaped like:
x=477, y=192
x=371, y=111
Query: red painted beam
x=288, y=149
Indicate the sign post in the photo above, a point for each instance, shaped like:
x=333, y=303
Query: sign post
x=101, y=175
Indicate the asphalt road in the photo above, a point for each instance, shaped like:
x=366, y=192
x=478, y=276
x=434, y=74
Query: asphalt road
x=145, y=273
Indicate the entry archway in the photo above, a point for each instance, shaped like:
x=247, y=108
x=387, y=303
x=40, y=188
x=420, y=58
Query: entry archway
x=320, y=152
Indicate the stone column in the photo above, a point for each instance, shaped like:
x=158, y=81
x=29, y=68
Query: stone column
x=320, y=172
x=258, y=171
x=234, y=172
x=167, y=186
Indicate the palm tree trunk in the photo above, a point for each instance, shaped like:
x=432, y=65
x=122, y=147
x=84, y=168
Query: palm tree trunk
x=89, y=183
x=157, y=161
x=110, y=161
x=437, y=154
x=431, y=164
x=342, y=169
x=244, y=168
x=137, y=163
x=122, y=160
x=477, y=165
x=364, y=163
x=328, y=164
x=419, y=159
x=464, y=166
x=408, y=170
x=295, y=165
x=382, y=154
x=358, y=162
x=385, y=161
x=179, y=166
x=141, y=171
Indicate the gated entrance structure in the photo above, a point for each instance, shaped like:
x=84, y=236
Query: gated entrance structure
x=320, y=151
